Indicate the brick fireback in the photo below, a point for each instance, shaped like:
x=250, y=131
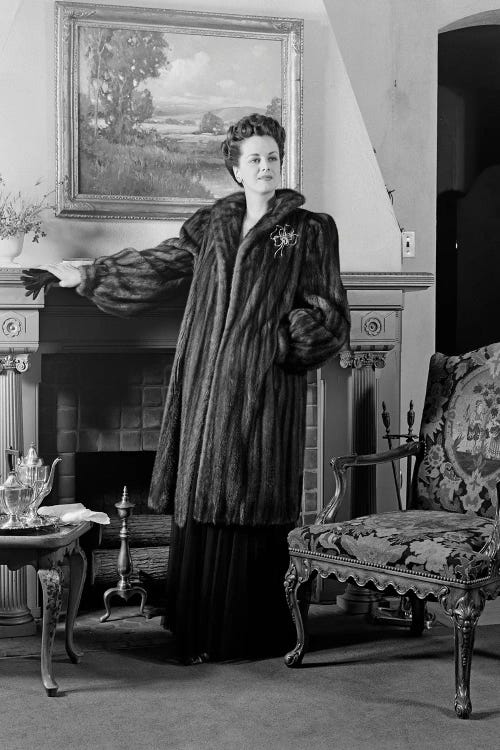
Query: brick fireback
x=97, y=402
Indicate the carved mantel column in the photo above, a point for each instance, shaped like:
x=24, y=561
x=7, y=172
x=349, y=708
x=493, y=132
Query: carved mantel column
x=18, y=338
x=15, y=615
x=14, y=611
x=11, y=424
x=365, y=361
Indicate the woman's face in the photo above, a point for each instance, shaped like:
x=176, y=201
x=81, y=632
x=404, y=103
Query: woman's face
x=259, y=168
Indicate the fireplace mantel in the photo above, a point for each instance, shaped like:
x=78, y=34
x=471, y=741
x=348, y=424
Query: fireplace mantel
x=64, y=321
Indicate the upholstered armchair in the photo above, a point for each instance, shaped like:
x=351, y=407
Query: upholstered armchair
x=445, y=546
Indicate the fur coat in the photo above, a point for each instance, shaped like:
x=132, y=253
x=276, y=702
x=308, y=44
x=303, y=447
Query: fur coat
x=260, y=312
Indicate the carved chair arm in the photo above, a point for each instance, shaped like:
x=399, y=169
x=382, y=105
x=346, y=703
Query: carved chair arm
x=341, y=463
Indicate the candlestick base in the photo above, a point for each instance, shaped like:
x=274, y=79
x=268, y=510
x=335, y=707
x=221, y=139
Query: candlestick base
x=124, y=594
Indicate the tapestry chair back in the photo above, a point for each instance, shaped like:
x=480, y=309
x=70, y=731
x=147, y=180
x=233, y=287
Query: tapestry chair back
x=460, y=432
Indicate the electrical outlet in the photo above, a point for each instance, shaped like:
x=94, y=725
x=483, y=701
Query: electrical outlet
x=408, y=244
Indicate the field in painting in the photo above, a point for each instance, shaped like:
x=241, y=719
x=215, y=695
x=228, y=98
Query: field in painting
x=180, y=166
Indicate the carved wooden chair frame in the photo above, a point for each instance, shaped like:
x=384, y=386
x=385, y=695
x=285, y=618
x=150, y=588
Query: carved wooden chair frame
x=462, y=600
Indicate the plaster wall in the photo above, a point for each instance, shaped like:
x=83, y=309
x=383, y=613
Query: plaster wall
x=389, y=48
x=340, y=173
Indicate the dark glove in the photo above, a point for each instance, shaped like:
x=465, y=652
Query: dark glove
x=35, y=279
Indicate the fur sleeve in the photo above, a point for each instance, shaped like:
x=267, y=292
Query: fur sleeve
x=130, y=281
x=319, y=324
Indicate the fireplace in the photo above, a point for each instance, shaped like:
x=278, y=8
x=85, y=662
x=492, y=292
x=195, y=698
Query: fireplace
x=84, y=387
x=113, y=403
x=101, y=413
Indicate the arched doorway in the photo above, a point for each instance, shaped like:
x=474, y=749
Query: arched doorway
x=468, y=188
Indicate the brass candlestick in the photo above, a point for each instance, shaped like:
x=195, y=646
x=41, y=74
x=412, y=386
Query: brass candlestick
x=124, y=587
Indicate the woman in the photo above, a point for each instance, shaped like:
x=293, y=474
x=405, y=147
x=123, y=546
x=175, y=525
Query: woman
x=266, y=304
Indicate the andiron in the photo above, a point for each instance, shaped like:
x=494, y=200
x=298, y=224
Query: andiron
x=124, y=588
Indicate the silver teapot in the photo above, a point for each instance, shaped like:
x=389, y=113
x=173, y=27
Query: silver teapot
x=33, y=474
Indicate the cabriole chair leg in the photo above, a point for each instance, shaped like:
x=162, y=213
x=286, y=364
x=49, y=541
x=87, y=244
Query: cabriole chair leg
x=292, y=583
x=465, y=613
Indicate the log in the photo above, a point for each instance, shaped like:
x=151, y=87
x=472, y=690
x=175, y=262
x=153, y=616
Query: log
x=150, y=561
x=144, y=531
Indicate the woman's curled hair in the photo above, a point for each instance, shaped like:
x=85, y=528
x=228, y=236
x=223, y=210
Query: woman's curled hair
x=248, y=126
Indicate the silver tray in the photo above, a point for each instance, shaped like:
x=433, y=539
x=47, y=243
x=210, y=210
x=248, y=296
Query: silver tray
x=44, y=525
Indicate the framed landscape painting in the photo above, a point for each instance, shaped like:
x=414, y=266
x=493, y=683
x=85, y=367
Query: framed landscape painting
x=145, y=96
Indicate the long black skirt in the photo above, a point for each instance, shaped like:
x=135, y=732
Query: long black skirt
x=225, y=597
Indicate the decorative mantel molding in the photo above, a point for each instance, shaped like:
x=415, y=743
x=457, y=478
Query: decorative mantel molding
x=18, y=362
x=387, y=280
x=351, y=279
x=363, y=357
x=13, y=292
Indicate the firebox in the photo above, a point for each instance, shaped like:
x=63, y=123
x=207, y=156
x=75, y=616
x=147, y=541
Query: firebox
x=101, y=403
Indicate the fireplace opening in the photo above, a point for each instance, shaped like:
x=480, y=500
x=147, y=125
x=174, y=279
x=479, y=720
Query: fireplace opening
x=101, y=477
x=101, y=403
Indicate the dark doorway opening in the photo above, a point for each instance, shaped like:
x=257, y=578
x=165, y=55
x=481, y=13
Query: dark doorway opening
x=468, y=189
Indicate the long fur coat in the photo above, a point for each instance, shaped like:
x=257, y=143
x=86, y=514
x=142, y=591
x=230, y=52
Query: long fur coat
x=261, y=311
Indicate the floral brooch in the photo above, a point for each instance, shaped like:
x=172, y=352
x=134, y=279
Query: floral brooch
x=283, y=236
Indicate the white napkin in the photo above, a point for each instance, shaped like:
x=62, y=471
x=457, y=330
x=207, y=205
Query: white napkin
x=73, y=513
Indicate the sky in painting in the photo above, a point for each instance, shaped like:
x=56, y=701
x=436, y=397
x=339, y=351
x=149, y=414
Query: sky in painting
x=214, y=72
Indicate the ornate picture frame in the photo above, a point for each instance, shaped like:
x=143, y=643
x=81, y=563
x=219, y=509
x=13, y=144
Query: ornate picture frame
x=144, y=96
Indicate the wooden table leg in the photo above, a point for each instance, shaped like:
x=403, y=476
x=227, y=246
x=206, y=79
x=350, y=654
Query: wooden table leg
x=51, y=580
x=78, y=568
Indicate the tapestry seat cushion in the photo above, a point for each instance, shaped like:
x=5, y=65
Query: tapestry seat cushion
x=436, y=543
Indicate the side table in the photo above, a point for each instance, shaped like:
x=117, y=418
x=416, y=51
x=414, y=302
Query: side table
x=48, y=552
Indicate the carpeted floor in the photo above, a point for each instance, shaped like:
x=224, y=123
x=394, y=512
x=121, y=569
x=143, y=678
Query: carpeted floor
x=124, y=630
x=362, y=687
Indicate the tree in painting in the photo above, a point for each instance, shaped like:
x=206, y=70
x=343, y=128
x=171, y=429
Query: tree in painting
x=212, y=123
x=115, y=107
x=118, y=62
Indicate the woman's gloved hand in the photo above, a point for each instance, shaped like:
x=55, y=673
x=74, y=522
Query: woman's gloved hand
x=45, y=277
x=36, y=279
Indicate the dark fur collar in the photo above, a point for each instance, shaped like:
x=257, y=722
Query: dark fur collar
x=228, y=213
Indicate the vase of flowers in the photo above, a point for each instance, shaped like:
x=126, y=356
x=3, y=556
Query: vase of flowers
x=19, y=217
